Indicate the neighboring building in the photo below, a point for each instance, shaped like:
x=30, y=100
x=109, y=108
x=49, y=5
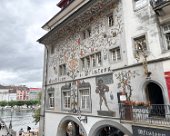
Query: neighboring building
x=22, y=93
x=4, y=93
x=34, y=93
x=12, y=94
x=100, y=56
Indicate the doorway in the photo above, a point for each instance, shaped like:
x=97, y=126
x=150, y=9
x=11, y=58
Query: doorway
x=109, y=131
x=155, y=97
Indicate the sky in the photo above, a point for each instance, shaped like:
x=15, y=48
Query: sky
x=21, y=56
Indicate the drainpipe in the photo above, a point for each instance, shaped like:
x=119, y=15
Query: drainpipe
x=43, y=98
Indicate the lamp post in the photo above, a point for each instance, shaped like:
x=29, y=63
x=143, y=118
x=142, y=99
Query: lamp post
x=10, y=125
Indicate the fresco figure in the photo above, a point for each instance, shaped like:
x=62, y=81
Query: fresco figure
x=101, y=89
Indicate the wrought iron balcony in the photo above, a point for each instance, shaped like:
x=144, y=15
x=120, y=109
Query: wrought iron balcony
x=158, y=115
x=159, y=4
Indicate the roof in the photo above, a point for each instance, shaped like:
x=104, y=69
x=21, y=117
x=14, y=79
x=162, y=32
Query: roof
x=3, y=87
x=34, y=89
x=61, y=3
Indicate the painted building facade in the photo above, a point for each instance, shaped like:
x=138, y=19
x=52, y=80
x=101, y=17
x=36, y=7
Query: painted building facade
x=22, y=93
x=34, y=93
x=99, y=55
x=7, y=93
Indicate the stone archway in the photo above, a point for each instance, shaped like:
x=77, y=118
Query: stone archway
x=97, y=127
x=154, y=94
x=61, y=130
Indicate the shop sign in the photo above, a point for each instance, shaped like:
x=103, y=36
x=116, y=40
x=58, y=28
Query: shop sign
x=148, y=131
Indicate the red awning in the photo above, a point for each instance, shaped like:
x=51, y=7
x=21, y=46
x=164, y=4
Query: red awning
x=167, y=78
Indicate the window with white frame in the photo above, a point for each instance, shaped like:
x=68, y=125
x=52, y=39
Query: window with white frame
x=140, y=43
x=52, y=49
x=66, y=100
x=110, y=20
x=93, y=60
x=51, y=100
x=115, y=54
x=84, y=99
x=139, y=4
x=62, y=69
x=166, y=34
x=86, y=33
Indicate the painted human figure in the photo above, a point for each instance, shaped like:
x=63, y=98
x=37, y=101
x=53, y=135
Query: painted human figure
x=101, y=89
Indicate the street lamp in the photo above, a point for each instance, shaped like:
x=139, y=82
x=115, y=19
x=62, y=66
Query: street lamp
x=80, y=116
x=10, y=124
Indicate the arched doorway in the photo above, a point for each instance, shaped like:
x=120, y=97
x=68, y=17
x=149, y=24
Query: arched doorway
x=108, y=128
x=70, y=126
x=155, y=96
x=109, y=131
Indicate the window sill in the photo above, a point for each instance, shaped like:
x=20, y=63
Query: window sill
x=140, y=8
x=165, y=51
x=115, y=62
x=50, y=108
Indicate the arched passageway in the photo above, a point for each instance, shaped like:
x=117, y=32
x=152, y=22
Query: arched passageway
x=155, y=96
x=109, y=128
x=70, y=126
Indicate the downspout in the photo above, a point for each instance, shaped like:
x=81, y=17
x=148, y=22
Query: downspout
x=43, y=100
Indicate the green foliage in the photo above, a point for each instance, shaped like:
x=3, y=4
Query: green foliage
x=12, y=103
x=3, y=103
x=36, y=115
x=19, y=103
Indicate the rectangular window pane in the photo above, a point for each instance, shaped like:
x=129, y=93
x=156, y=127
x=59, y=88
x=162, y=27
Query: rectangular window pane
x=111, y=21
x=115, y=53
x=62, y=70
x=140, y=43
x=85, y=99
x=51, y=99
x=98, y=56
x=168, y=41
x=67, y=100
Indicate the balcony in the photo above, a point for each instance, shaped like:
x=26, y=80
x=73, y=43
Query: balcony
x=155, y=115
x=159, y=4
x=162, y=9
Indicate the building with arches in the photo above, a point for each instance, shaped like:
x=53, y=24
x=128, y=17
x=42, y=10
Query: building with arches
x=107, y=69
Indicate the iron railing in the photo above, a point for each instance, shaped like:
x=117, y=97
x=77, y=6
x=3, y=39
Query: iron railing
x=159, y=3
x=153, y=114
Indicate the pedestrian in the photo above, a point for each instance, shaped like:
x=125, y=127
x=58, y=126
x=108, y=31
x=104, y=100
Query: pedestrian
x=0, y=126
x=20, y=132
x=28, y=129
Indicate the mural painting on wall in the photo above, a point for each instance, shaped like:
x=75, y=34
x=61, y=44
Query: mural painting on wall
x=73, y=88
x=69, y=49
x=124, y=83
x=102, y=88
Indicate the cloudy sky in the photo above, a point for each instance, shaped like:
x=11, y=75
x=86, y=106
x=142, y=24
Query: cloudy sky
x=21, y=57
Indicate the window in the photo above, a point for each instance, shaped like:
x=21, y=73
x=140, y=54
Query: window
x=166, y=34
x=52, y=49
x=84, y=99
x=93, y=60
x=110, y=20
x=140, y=43
x=67, y=100
x=86, y=33
x=51, y=100
x=139, y=4
x=115, y=54
x=62, y=69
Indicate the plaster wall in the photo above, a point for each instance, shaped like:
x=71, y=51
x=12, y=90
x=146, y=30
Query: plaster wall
x=53, y=120
x=139, y=22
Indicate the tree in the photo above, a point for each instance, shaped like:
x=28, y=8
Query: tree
x=12, y=103
x=36, y=115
